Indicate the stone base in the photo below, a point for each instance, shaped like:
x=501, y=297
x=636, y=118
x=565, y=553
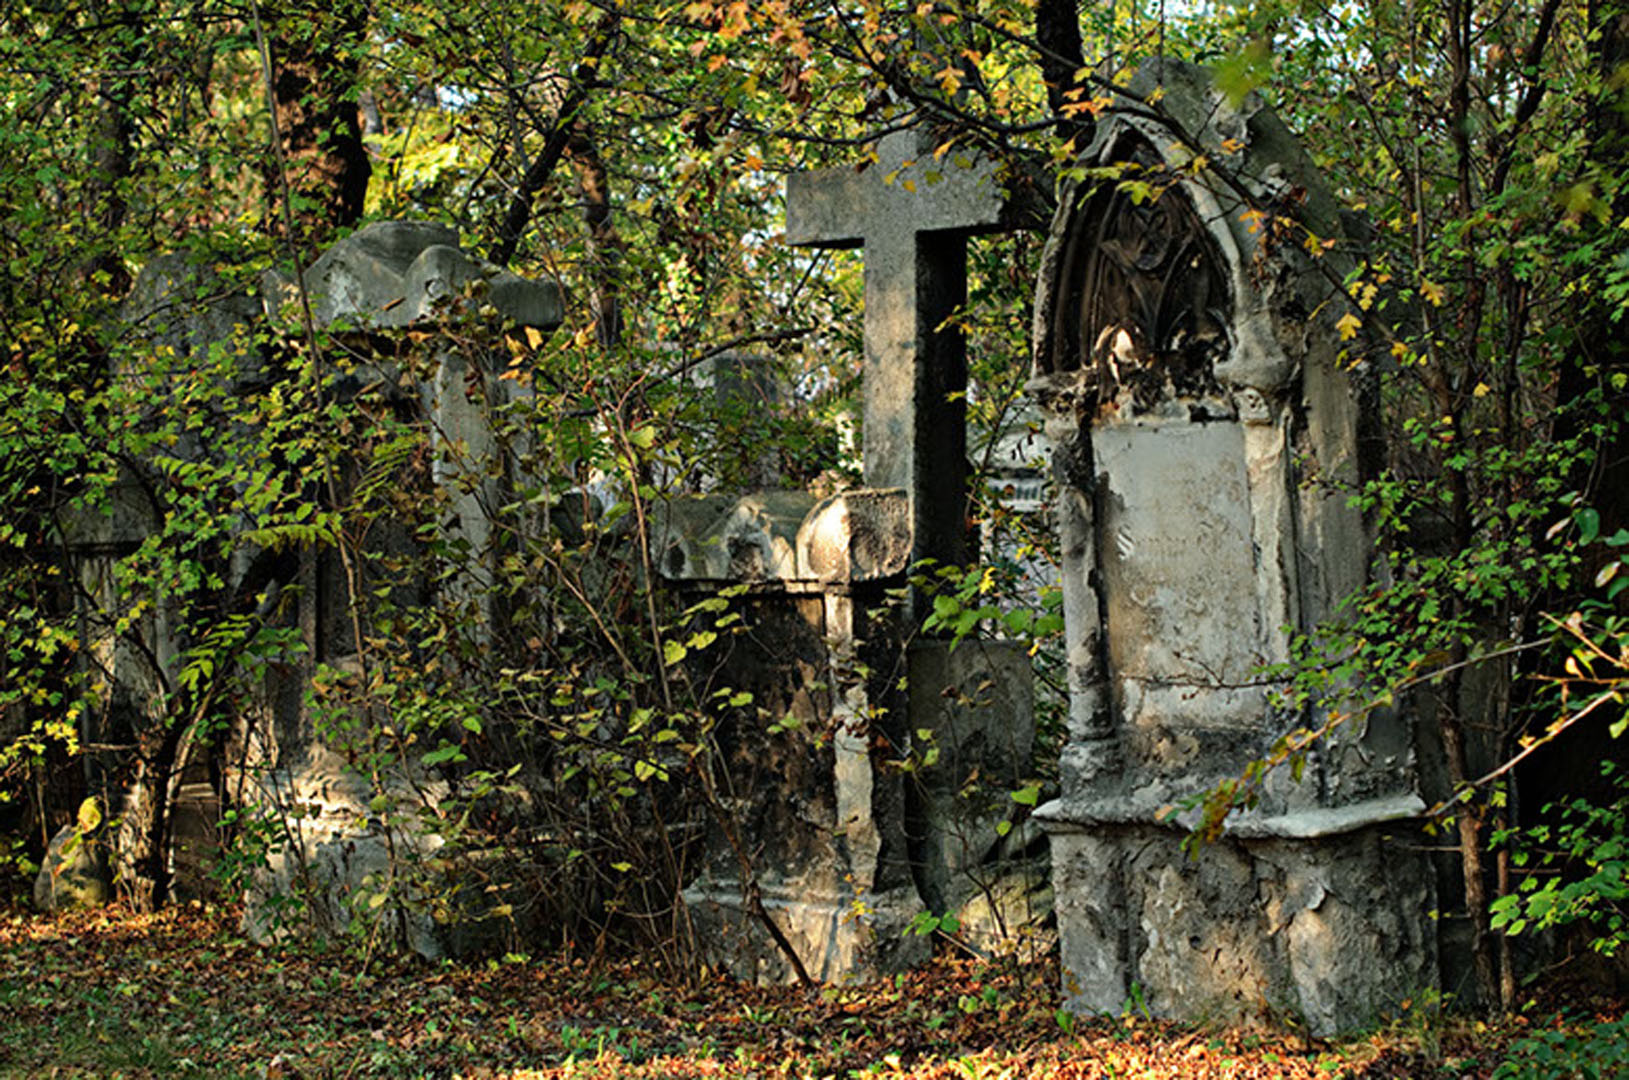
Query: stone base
x=838, y=938
x=1332, y=930
x=336, y=869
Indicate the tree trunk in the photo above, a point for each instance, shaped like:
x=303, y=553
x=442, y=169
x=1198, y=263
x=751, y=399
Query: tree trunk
x=316, y=59
x=1057, y=32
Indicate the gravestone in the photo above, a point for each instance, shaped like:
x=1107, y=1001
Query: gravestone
x=1206, y=426
x=913, y=211
x=799, y=765
x=390, y=277
x=386, y=278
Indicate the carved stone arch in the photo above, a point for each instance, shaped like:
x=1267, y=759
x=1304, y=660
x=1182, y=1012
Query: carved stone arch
x=1141, y=297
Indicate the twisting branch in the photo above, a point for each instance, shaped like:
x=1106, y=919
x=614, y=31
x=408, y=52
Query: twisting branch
x=519, y=212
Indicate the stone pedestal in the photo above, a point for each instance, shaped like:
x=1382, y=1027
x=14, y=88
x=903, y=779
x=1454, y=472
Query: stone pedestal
x=806, y=773
x=1317, y=917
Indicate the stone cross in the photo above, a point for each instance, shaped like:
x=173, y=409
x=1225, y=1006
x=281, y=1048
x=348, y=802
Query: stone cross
x=913, y=214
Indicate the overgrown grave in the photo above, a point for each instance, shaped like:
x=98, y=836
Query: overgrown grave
x=328, y=825
x=859, y=736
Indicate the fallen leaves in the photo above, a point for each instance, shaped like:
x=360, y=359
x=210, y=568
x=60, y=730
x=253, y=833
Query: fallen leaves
x=182, y=994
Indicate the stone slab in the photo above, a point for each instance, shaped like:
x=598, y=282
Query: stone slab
x=973, y=704
x=1176, y=551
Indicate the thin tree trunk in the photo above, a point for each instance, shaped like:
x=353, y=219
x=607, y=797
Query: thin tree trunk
x=316, y=60
x=1057, y=32
x=112, y=156
x=512, y=226
x=604, y=245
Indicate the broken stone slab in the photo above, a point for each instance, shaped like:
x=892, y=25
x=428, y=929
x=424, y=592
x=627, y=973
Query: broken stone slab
x=339, y=860
x=1315, y=913
x=395, y=274
x=785, y=536
x=857, y=536
x=811, y=792
x=74, y=873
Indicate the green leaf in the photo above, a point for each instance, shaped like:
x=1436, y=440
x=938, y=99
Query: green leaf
x=90, y=816
x=1589, y=525
x=1028, y=795
x=443, y=754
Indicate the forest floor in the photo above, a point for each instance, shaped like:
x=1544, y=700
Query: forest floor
x=109, y=994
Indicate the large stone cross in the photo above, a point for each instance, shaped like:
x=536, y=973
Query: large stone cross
x=913, y=214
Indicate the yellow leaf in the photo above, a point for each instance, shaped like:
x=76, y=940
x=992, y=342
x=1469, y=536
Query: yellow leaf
x=1432, y=291
x=90, y=815
x=534, y=337
x=1482, y=390
x=1349, y=325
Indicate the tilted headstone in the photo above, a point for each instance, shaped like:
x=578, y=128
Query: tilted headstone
x=1207, y=426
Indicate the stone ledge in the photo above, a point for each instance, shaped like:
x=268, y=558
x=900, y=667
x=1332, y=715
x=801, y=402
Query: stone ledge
x=786, y=537
x=1072, y=816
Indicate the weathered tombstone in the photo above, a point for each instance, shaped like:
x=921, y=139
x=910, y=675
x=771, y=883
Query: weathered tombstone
x=1186, y=348
x=389, y=276
x=913, y=213
x=825, y=826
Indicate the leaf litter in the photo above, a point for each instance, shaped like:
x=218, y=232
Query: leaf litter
x=182, y=993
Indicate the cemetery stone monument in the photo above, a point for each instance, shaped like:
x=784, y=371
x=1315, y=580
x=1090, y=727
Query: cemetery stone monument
x=851, y=851
x=1207, y=425
x=387, y=278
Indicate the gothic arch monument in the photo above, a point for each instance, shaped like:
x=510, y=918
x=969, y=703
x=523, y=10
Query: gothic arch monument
x=1206, y=422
